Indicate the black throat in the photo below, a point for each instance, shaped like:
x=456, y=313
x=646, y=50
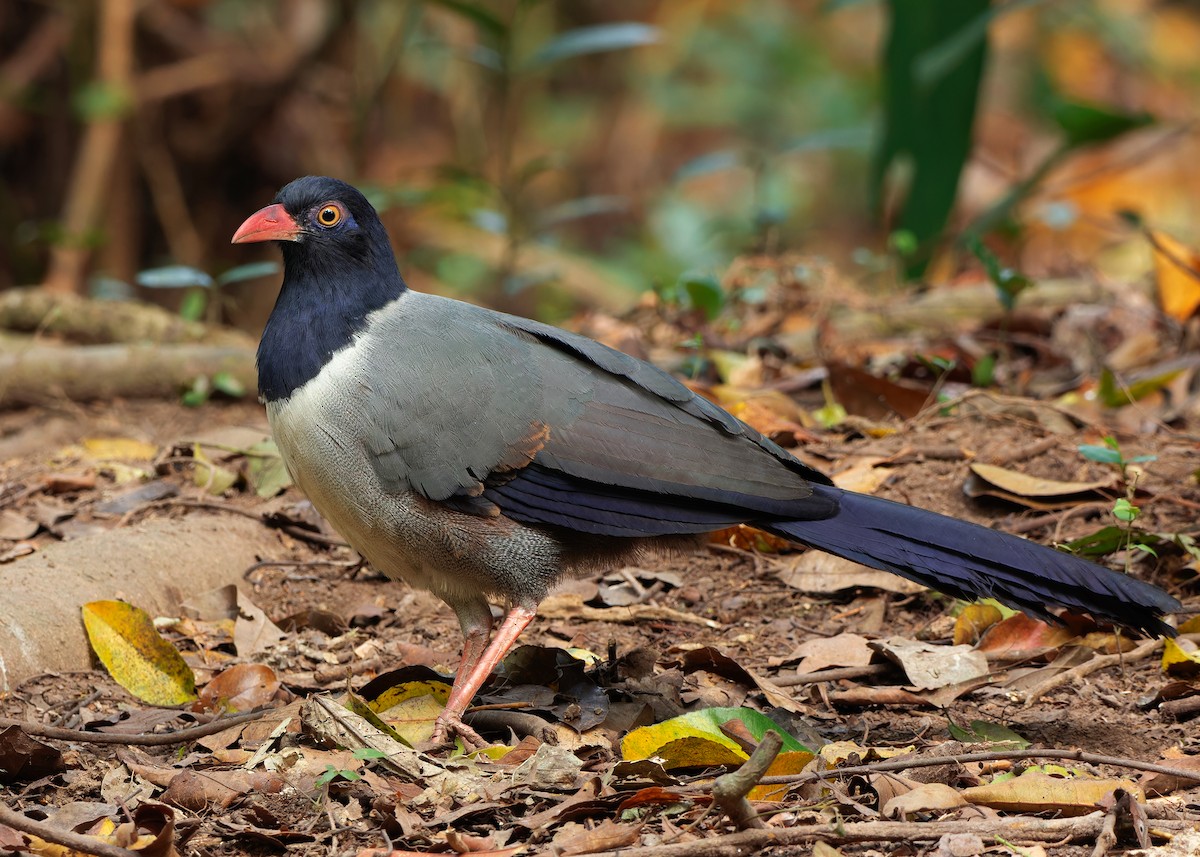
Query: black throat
x=328, y=292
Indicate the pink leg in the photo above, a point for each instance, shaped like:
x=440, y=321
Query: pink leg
x=467, y=684
x=475, y=619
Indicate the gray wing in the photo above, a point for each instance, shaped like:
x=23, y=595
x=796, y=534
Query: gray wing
x=490, y=412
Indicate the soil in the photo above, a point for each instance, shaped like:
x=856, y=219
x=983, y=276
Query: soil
x=757, y=619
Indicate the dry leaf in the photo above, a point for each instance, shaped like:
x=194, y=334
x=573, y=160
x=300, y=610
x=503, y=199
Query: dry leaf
x=135, y=654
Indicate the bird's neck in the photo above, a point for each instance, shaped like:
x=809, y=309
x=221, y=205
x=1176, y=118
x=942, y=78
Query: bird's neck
x=320, y=309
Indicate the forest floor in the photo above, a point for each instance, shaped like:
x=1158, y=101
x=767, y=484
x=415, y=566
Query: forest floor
x=722, y=626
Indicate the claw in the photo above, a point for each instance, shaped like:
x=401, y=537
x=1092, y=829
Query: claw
x=449, y=725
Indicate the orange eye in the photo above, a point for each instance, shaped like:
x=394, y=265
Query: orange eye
x=329, y=215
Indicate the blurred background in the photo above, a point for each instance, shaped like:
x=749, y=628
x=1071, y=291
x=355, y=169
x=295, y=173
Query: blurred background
x=545, y=157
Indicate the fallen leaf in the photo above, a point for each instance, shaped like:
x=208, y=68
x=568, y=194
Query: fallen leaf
x=696, y=738
x=121, y=448
x=242, y=687
x=135, y=654
x=1028, y=485
x=926, y=797
x=1021, y=637
x=24, y=759
x=973, y=621
x=14, y=527
x=1035, y=791
x=1177, y=275
x=1181, y=658
x=843, y=650
x=928, y=666
x=822, y=573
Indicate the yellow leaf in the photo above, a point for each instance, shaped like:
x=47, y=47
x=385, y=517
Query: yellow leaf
x=1177, y=271
x=785, y=764
x=136, y=655
x=1178, y=661
x=973, y=621
x=123, y=448
x=1038, y=792
x=211, y=477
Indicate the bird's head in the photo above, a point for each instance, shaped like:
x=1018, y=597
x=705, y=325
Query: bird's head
x=323, y=225
x=338, y=268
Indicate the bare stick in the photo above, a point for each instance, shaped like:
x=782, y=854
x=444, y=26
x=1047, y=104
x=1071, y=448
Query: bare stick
x=143, y=739
x=730, y=790
x=75, y=841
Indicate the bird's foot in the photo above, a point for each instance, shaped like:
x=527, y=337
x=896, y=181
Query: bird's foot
x=448, y=725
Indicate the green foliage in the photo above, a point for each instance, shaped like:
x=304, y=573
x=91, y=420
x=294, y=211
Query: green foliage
x=1008, y=283
x=698, y=291
x=932, y=67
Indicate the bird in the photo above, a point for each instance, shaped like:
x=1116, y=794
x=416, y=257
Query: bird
x=484, y=456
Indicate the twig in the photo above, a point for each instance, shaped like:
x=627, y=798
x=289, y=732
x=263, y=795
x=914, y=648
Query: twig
x=142, y=739
x=1085, y=669
x=75, y=841
x=835, y=674
x=730, y=790
x=982, y=756
x=994, y=830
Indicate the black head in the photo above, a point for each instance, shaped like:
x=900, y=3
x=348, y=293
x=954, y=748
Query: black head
x=338, y=267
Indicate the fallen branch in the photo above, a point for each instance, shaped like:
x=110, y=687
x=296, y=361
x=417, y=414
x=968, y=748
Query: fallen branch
x=1004, y=831
x=730, y=790
x=1073, y=675
x=141, y=739
x=76, y=841
x=36, y=374
x=982, y=756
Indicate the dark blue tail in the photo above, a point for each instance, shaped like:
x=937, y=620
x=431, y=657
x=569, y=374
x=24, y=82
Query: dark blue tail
x=970, y=562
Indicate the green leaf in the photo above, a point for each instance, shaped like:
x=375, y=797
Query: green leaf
x=599, y=38
x=224, y=382
x=981, y=731
x=1086, y=123
x=173, y=277
x=695, y=739
x=711, y=162
x=983, y=373
x=192, y=307
x=1115, y=394
x=97, y=100
x=476, y=13
x=265, y=469
x=1125, y=511
x=1112, y=538
x=700, y=291
x=1102, y=454
x=252, y=271
x=928, y=118
x=198, y=393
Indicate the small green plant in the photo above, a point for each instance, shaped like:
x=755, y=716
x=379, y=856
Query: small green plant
x=1124, y=534
x=331, y=772
x=1110, y=453
x=203, y=298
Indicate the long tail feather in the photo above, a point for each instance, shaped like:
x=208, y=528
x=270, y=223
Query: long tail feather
x=969, y=561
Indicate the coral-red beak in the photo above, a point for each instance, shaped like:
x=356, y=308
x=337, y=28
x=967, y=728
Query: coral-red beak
x=272, y=223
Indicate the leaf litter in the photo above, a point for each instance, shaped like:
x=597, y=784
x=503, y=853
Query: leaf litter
x=709, y=640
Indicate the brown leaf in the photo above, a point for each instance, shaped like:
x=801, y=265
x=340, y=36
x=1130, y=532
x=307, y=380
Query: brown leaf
x=844, y=650
x=928, y=666
x=242, y=687
x=214, y=789
x=608, y=835
x=873, y=397
x=1020, y=637
x=23, y=758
